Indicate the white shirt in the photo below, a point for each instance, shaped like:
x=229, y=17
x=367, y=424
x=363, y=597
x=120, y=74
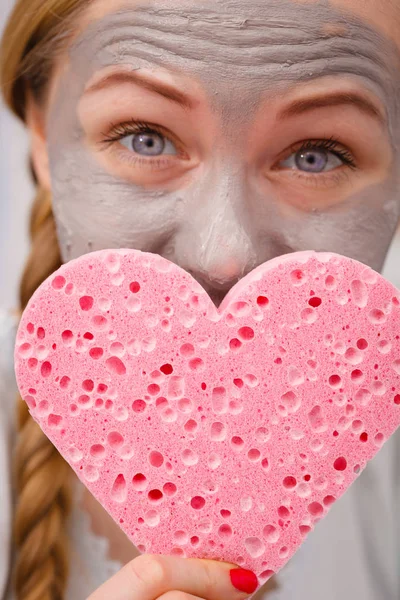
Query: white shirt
x=353, y=554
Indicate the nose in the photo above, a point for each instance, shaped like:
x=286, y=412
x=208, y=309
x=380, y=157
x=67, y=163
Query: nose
x=214, y=242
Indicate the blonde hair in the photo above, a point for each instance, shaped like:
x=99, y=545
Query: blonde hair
x=36, y=31
x=42, y=479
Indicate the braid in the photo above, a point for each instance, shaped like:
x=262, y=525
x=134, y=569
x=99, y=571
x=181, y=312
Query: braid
x=42, y=477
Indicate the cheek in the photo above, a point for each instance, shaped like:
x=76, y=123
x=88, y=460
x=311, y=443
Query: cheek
x=94, y=211
x=362, y=228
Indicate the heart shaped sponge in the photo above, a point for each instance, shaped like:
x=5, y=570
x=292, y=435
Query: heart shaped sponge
x=227, y=433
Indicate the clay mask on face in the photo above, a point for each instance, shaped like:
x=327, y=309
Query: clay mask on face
x=228, y=213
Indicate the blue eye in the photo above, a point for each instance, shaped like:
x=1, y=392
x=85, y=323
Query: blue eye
x=148, y=143
x=313, y=160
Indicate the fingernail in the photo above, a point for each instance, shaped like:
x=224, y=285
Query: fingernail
x=244, y=580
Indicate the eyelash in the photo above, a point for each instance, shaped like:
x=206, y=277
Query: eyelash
x=132, y=127
x=332, y=145
x=118, y=132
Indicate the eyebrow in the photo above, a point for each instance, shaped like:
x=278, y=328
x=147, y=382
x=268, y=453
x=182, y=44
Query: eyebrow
x=338, y=99
x=163, y=89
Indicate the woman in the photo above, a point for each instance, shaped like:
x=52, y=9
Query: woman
x=218, y=134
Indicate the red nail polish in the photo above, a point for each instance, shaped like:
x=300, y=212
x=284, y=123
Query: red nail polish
x=244, y=580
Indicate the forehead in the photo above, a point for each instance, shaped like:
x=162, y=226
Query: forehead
x=230, y=40
x=244, y=55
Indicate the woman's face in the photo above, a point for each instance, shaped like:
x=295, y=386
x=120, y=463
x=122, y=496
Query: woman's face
x=222, y=133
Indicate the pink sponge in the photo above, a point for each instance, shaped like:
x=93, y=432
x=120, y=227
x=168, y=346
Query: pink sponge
x=222, y=434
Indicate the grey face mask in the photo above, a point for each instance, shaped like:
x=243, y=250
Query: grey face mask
x=222, y=224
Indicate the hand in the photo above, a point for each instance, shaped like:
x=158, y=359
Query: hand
x=157, y=577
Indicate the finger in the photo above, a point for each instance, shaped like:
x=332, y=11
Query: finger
x=148, y=577
x=179, y=596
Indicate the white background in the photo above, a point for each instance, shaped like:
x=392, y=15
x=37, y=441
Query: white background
x=16, y=195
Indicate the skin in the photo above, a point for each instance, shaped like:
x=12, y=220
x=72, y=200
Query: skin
x=224, y=207
x=224, y=204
